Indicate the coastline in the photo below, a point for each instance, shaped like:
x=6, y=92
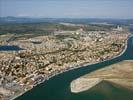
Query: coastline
x=76, y=67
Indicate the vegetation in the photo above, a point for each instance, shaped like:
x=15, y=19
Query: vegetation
x=47, y=28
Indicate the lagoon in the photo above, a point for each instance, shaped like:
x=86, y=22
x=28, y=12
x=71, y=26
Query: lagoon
x=10, y=48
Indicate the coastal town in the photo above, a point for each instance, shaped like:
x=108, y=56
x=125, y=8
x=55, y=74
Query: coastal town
x=66, y=50
x=42, y=57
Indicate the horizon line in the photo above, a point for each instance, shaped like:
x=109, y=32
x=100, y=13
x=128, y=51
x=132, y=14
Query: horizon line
x=67, y=17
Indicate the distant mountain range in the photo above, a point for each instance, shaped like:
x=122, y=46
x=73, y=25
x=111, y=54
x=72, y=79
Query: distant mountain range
x=12, y=20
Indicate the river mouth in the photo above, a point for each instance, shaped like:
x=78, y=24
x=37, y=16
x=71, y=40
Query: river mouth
x=58, y=87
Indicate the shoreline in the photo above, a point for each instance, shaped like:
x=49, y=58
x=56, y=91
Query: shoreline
x=85, y=64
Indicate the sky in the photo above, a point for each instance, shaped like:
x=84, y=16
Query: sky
x=122, y=9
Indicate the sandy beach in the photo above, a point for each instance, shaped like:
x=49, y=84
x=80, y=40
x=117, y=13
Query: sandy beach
x=120, y=73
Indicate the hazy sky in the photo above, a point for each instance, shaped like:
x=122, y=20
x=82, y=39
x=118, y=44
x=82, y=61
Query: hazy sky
x=67, y=8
